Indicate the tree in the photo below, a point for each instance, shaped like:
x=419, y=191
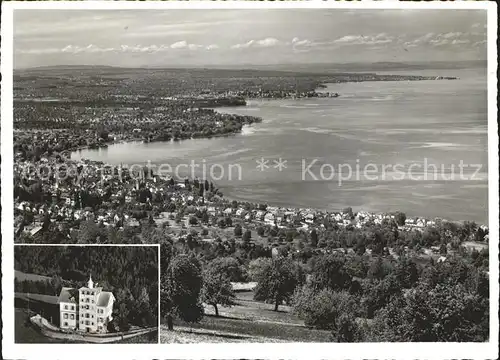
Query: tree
x=443, y=250
x=360, y=246
x=277, y=281
x=229, y=267
x=327, y=309
x=122, y=318
x=431, y=236
x=314, y=238
x=257, y=267
x=247, y=236
x=89, y=232
x=400, y=218
x=217, y=288
x=180, y=289
x=204, y=217
x=406, y=272
x=330, y=271
x=260, y=231
x=238, y=231
x=377, y=295
x=446, y=313
x=56, y=283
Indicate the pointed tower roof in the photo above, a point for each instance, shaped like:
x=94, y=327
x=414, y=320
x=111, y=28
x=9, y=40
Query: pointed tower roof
x=90, y=283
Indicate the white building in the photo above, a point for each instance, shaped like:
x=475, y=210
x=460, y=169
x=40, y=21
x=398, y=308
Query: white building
x=88, y=309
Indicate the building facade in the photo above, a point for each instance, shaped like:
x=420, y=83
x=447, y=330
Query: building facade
x=88, y=309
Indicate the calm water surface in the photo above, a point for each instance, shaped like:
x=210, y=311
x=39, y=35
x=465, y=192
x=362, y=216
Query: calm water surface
x=380, y=123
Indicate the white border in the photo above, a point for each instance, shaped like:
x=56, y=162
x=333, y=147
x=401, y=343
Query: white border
x=231, y=350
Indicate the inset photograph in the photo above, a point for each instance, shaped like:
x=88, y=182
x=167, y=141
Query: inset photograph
x=91, y=294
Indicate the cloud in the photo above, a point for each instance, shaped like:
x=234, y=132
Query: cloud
x=185, y=45
x=451, y=35
x=378, y=39
x=267, y=42
x=297, y=42
x=459, y=42
x=179, y=45
x=91, y=48
x=442, y=39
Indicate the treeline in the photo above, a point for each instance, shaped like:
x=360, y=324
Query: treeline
x=130, y=273
x=396, y=300
x=45, y=287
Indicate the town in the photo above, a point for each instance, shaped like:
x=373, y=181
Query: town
x=368, y=263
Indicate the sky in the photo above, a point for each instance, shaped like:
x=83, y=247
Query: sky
x=176, y=38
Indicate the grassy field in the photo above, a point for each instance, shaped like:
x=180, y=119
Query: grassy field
x=20, y=276
x=49, y=299
x=248, y=321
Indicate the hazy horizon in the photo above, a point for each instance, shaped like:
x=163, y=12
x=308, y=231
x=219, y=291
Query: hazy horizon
x=194, y=38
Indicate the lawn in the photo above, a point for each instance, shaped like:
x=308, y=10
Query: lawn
x=248, y=321
x=20, y=276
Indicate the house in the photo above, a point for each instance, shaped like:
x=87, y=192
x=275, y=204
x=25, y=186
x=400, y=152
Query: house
x=87, y=309
x=269, y=218
x=280, y=217
x=259, y=215
x=36, y=232
x=241, y=212
x=309, y=218
x=68, y=308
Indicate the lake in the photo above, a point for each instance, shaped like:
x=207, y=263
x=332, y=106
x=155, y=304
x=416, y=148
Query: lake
x=395, y=128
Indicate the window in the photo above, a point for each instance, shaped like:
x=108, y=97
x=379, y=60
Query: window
x=92, y=323
x=65, y=307
x=92, y=301
x=65, y=323
x=72, y=307
x=65, y=316
x=87, y=315
x=72, y=316
x=87, y=307
x=92, y=316
x=86, y=322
